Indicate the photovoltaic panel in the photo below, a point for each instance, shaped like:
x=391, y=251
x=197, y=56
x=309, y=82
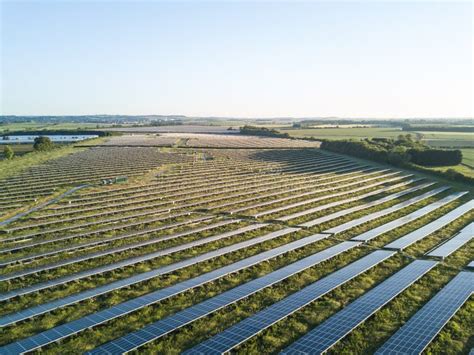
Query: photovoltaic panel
x=325, y=197
x=146, y=275
x=364, y=219
x=110, y=251
x=326, y=335
x=415, y=335
x=430, y=228
x=384, y=228
x=355, y=180
x=347, y=211
x=140, y=258
x=249, y=327
x=453, y=244
x=174, y=289
x=98, y=242
x=73, y=327
x=164, y=326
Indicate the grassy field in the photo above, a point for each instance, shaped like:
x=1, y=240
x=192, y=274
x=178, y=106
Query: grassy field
x=344, y=133
x=33, y=126
x=19, y=149
x=435, y=139
x=467, y=166
x=468, y=157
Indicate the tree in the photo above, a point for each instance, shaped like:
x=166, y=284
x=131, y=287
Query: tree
x=43, y=144
x=9, y=153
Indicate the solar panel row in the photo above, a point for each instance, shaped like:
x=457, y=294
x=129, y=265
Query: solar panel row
x=446, y=249
x=429, y=228
x=37, y=243
x=254, y=196
x=326, y=335
x=320, y=198
x=354, y=180
x=335, y=185
x=415, y=335
x=115, y=285
x=249, y=327
x=73, y=327
x=364, y=219
x=96, y=242
x=347, y=211
x=127, y=247
x=384, y=228
x=352, y=175
x=177, y=288
x=162, y=327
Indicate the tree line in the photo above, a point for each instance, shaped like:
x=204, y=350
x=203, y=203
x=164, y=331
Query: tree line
x=400, y=151
x=404, y=152
x=262, y=131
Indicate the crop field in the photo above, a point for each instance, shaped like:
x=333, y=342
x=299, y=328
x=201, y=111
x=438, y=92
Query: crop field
x=276, y=248
x=431, y=138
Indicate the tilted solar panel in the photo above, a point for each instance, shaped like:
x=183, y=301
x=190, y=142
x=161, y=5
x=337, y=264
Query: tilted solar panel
x=364, y=219
x=430, y=228
x=320, y=198
x=164, y=326
x=347, y=211
x=94, y=292
x=249, y=327
x=373, y=233
x=326, y=335
x=453, y=244
x=415, y=335
x=73, y=327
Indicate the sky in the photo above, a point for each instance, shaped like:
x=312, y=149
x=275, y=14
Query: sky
x=237, y=58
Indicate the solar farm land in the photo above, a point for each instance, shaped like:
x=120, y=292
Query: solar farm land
x=212, y=243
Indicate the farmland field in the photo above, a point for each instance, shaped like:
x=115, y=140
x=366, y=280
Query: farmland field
x=228, y=243
x=432, y=138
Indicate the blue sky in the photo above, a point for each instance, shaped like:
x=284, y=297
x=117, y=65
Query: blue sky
x=245, y=59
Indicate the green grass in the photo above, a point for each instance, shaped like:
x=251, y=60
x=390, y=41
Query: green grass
x=435, y=139
x=33, y=126
x=467, y=165
x=468, y=157
x=344, y=133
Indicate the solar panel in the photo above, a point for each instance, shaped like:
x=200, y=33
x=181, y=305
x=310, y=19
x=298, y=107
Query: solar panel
x=180, y=287
x=103, y=240
x=162, y=327
x=347, y=211
x=384, y=228
x=312, y=192
x=364, y=219
x=319, y=198
x=326, y=335
x=249, y=327
x=446, y=249
x=415, y=335
x=430, y=228
x=127, y=247
x=256, y=197
x=140, y=277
